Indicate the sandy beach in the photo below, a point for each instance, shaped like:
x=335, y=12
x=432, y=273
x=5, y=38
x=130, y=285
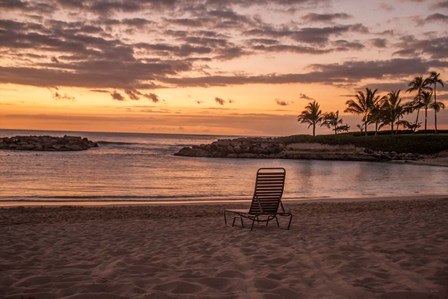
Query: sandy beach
x=367, y=249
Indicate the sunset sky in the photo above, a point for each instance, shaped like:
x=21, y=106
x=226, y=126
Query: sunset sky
x=208, y=66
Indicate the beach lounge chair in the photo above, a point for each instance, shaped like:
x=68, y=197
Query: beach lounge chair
x=266, y=203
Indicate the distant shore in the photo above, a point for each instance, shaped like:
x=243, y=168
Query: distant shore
x=46, y=143
x=366, y=249
x=423, y=149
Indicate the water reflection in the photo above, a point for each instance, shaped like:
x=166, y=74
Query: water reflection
x=150, y=171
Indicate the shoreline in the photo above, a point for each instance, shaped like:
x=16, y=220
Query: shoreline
x=124, y=203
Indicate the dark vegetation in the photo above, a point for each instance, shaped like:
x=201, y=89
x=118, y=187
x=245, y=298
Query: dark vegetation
x=383, y=111
x=400, y=143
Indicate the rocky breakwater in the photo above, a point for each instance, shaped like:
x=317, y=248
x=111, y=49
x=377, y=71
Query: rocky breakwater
x=255, y=147
x=46, y=143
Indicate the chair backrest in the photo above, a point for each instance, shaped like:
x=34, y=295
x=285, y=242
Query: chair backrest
x=268, y=190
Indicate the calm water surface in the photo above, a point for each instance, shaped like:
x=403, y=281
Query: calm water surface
x=142, y=167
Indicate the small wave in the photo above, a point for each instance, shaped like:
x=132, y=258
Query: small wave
x=114, y=198
x=118, y=143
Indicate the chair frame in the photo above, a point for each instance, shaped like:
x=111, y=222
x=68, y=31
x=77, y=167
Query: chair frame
x=273, y=196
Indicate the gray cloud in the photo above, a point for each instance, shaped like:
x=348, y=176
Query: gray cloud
x=88, y=60
x=56, y=95
x=102, y=52
x=386, y=87
x=310, y=35
x=305, y=97
x=437, y=17
x=412, y=47
x=281, y=102
x=220, y=101
x=378, y=42
x=99, y=90
x=291, y=48
x=344, y=45
x=314, y=17
x=322, y=35
x=117, y=96
x=153, y=97
x=28, y=6
x=441, y=4
x=387, y=6
x=133, y=94
x=136, y=22
x=337, y=73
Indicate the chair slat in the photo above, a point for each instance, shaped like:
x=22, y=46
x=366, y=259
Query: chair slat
x=268, y=191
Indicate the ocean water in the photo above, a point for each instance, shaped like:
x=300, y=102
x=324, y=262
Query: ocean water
x=142, y=167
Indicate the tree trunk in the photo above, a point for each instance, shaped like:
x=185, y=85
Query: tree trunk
x=426, y=117
x=435, y=109
x=416, y=120
x=314, y=129
x=435, y=121
x=335, y=132
x=392, y=128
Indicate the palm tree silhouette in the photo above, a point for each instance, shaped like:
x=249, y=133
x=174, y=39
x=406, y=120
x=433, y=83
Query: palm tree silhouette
x=426, y=100
x=331, y=119
x=418, y=84
x=360, y=127
x=365, y=105
x=312, y=115
x=437, y=106
x=377, y=112
x=392, y=110
x=434, y=79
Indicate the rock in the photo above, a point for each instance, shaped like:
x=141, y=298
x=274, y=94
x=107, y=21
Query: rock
x=46, y=143
x=256, y=147
x=240, y=147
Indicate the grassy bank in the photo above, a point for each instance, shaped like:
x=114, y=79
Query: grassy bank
x=403, y=143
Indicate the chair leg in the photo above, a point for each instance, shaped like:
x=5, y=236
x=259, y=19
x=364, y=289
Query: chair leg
x=276, y=219
x=290, y=219
x=233, y=223
x=253, y=222
x=242, y=224
x=225, y=219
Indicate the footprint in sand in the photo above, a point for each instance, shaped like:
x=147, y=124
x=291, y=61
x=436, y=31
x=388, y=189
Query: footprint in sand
x=179, y=287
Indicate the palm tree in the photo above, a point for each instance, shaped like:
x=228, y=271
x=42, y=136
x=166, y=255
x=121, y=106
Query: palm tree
x=434, y=80
x=408, y=108
x=408, y=125
x=437, y=106
x=377, y=112
x=360, y=127
x=332, y=119
x=343, y=128
x=312, y=115
x=403, y=123
x=365, y=105
x=418, y=84
x=392, y=110
x=426, y=100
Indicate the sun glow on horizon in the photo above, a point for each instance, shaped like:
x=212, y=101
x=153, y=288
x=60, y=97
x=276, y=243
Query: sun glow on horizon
x=239, y=68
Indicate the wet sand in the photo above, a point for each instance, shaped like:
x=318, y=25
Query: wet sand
x=366, y=249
